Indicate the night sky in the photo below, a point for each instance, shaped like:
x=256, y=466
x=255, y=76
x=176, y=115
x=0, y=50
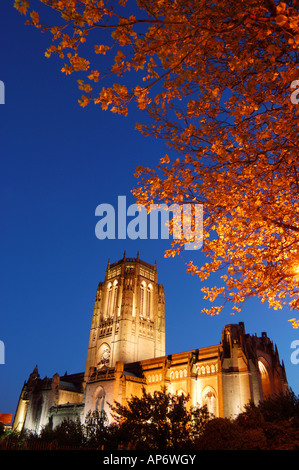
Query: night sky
x=58, y=163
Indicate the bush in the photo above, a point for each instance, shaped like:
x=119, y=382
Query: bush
x=68, y=433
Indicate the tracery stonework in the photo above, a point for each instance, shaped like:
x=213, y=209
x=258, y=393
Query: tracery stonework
x=126, y=352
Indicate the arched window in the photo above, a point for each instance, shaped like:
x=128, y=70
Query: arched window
x=115, y=291
x=99, y=400
x=148, y=301
x=209, y=399
x=38, y=413
x=109, y=300
x=142, y=300
x=265, y=377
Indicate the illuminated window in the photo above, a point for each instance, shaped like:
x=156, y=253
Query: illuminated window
x=145, y=300
x=109, y=300
x=115, y=291
x=99, y=400
x=148, y=302
x=265, y=377
x=209, y=399
x=141, y=310
x=112, y=291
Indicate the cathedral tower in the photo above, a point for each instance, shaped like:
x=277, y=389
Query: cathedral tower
x=128, y=322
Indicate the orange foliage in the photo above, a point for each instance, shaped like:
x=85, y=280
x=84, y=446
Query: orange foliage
x=215, y=78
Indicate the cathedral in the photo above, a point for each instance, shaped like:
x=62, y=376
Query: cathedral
x=126, y=352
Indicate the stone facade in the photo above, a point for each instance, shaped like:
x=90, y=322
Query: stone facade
x=126, y=352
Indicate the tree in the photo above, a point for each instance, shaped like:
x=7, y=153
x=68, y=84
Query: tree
x=276, y=408
x=218, y=81
x=68, y=433
x=96, y=428
x=272, y=424
x=157, y=421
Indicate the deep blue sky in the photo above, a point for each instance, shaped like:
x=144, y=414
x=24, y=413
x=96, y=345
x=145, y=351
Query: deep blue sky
x=58, y=162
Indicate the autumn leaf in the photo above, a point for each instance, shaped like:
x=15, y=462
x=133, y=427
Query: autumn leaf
x=22, y=6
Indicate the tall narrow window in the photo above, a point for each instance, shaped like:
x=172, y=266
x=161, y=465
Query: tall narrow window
x=210, y=401
x=115, y=290
x=266, y=383
x=109, y=300
x=141, y=310
x=99, y=401
x=148, y=302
